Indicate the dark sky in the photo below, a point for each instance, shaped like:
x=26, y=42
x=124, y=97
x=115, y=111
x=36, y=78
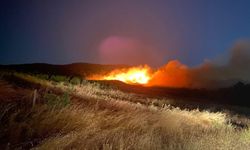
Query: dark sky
x=120, y=31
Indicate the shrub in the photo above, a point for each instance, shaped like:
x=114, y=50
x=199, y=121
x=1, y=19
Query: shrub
x=58, y=78
x=75, y=81
x=57, y=101
x=43, y=76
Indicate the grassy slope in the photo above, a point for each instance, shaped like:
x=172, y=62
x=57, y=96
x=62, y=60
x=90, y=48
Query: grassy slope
x=100, y=117
x=235, y=95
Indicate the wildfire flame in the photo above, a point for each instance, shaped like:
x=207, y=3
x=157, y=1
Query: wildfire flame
x=173, y=74
x=133, y=75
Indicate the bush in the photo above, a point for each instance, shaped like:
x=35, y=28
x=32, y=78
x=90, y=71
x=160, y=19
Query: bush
x=57, y=101
x=43, y=76
x=58, y=78
x=75, y=81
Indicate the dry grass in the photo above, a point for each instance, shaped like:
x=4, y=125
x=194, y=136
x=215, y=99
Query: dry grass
x=146, y=129
x=117, y=120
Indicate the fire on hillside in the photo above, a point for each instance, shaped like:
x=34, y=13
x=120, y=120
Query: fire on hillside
x=133, y=75
x=172, y=74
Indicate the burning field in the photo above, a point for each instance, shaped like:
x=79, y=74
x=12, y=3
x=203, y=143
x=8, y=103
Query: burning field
x=134, y=75
x=173, y=74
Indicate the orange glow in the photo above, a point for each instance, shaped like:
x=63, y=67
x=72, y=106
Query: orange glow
x=134, y=75
x=173, y=74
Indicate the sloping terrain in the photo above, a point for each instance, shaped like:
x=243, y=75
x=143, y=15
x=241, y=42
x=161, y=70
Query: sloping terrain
x=236, y=95
x=75, y=69
x=96, y=116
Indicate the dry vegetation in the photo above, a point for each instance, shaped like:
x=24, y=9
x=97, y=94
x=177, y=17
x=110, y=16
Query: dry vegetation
x=99, y=117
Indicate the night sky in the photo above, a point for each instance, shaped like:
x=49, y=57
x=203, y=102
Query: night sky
x=120, y=31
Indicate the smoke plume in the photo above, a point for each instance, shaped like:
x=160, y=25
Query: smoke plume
x=209, y=74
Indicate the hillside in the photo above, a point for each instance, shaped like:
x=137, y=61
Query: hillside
x=75, y=69
x=93, y=115
x=237, y=95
